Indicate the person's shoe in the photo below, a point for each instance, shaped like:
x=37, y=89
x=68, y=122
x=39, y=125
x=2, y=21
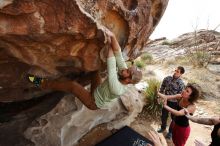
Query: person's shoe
x=160, y=130
x=35, y=80
x=169, y=135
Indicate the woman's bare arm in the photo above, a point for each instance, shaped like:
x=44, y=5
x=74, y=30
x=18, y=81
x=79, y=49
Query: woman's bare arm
x=205, y=121
x=177, y=96
x=190, y=109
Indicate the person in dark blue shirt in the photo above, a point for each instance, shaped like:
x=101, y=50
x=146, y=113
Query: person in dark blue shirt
x=171, y=85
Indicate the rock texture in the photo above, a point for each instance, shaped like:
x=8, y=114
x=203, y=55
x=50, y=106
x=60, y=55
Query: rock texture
x=65, y=125
x=61, y=39
x=53, y=38
x=174, y=52
x=205, y=40
x=13, y=125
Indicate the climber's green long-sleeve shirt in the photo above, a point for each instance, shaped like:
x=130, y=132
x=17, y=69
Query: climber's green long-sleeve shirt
x=111, y=88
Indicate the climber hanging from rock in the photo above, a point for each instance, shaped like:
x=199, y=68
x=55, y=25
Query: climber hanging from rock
x=101, y=93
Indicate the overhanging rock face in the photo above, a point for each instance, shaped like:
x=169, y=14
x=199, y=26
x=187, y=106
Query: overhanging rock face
x=53, y=38
x=64, y=39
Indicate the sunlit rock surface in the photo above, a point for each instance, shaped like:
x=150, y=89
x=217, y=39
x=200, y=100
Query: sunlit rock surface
x=201, y=40
x=66, y=123
x=61, y=39
x=54, y=38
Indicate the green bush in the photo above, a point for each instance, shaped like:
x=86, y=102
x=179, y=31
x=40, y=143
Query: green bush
x=167, y=42
x=152, y=105
x=147, y=58
x=128, y=63
x=140, y=64
x=199, y=58
x=197, y=55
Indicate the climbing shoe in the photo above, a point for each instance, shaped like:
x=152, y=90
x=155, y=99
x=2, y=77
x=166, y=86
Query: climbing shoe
x=35, y=80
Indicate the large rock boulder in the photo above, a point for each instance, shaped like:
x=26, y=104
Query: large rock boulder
x=53, y=38
x=62, y=39
x=200, y=40
x=67, y=123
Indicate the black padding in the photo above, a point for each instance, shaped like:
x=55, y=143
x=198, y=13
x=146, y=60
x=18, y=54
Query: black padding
x=125, y=137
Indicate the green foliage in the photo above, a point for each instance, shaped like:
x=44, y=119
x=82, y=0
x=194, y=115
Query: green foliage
x=147, y=58
x=199, y=58
x=167, y=42
x=139, y=63
x=198, y=55
x=152, y=105
x=128, y=63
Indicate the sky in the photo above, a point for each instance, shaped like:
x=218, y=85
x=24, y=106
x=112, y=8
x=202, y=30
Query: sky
x=182, y=16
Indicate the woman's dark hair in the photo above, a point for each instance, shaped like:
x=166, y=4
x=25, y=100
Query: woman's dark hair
x=194, y=96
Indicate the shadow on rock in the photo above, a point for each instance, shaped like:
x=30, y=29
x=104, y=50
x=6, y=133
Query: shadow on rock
x=16, y=117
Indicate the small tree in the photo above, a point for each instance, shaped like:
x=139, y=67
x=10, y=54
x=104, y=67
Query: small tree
x=197, y=55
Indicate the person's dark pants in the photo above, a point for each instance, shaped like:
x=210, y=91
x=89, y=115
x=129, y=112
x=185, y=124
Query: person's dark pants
x=165, y=114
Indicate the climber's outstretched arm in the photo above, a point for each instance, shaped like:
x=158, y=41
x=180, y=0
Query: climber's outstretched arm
x=113, y=41
x=114, y=45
